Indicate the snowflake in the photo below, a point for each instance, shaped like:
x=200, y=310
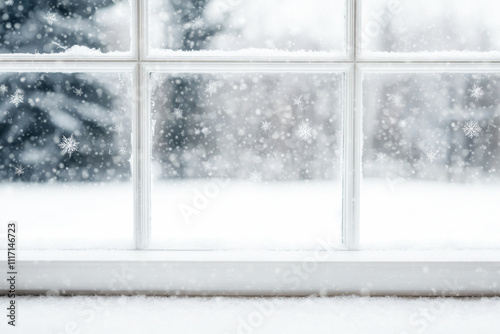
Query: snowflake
x=304, y=131
x=476, y=91
x=396, y=100
x=78, y=91
x=3, y=89
x=17, y=98
x=403, y=123
x=50, y=18
x=471, y=129
x=298, y=101
x=19, y=170
x=9, y=2
x=265, y=126
x=431, y=155
x=118, y=128
x=177, y=113
x=255, y=176
x=206, y=166
x=197, y=23
x=122, y=150
x=492, y=125
x=205, y=131
x=59, y=46
x=211, y=87
x=381, y=157
x=69, y=145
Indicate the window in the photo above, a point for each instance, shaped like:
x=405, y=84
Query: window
x=254, y=142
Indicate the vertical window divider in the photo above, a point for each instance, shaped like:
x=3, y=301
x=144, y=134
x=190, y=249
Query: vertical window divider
x=142, y=149
x=352, y=140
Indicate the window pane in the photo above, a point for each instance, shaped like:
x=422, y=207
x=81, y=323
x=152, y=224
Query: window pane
x=248, y=28
x=65, y=155
x=73, y=28
x=246, y=161
x=431, y=160
x=437, y=28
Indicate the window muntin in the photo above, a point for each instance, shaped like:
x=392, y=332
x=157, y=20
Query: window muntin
x=246, y=160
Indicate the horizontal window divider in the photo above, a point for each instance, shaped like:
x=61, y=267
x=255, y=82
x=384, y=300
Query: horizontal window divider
x=430, y=67
x=264, y=273
x=242, y=67
x=66, y=67
x=219, y=61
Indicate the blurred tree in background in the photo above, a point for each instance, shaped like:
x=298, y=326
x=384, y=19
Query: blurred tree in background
x=56, y=104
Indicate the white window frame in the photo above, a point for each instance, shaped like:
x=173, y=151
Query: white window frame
x=325, y=272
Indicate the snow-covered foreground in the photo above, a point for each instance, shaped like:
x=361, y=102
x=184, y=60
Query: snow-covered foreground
x=405, y=215
x=352, y=315
x=224, y=214
x=70, y=216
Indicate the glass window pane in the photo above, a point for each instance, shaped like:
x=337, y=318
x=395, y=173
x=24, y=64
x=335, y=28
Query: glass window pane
x=426, y=29
x=246, y=161
x=262, y=28
x=65, y=152
x=431, y=160
x=72, y=28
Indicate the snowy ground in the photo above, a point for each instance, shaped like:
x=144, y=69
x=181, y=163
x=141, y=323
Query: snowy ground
x=221, y=214
x=253, y=315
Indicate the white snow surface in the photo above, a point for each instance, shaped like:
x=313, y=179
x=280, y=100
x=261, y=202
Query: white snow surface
x=254, y=216
x=218, y=315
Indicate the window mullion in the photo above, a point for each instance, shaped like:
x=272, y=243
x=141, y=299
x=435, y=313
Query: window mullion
x=352, y=143
x=142, y=165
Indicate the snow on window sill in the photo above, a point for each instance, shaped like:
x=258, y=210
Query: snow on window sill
x=427, y=273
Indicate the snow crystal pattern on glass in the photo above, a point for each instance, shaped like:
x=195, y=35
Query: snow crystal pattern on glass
x=244, y=163
x=437, y=28
x=64, y=175
x=440, y=176
x=255, y=28
x=77, y=28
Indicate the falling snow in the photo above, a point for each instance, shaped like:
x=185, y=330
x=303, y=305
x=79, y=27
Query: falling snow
x=403, y=123
x=9, y=2
x=396, y=100
x=118, y=128
x=207, y=166
x=19, y=170
x=59, y=46
x=265, y=126
x=476, y=92
x=298, y=101
x=3, y=89
x=211, y=87
x=381, y=157
x=256, y=176
x=431, y=155
x=471, y=129
x=305, y=132
x=17, y=98
x=78, y=91
x=69, y=145
x=50, y=18
x=177, y=113
x=122, y=150
x=205, y=131
x=197, y=23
